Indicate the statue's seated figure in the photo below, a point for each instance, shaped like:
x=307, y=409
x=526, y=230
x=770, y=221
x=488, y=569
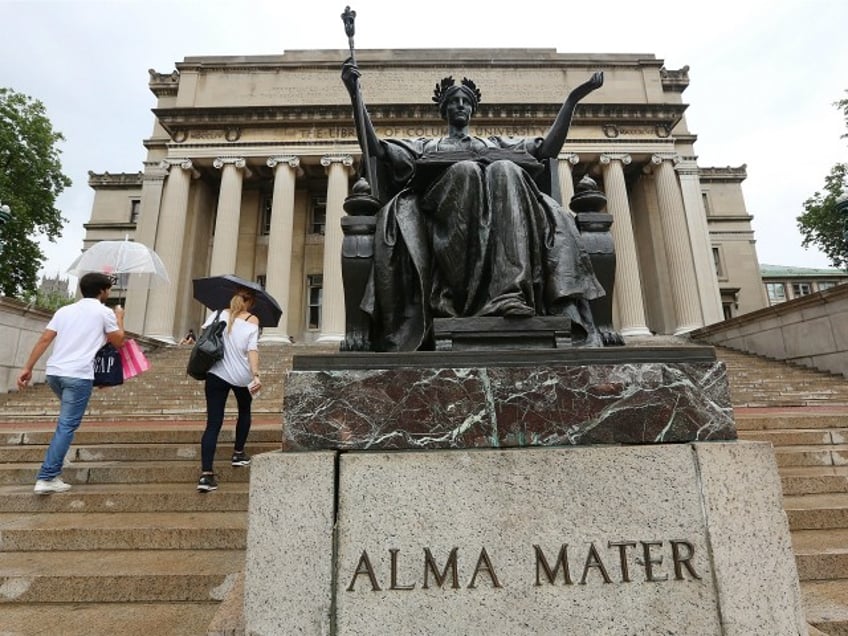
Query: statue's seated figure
x=464, y=229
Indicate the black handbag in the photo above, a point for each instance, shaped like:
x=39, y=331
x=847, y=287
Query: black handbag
x=208, y=349
x=108, y=370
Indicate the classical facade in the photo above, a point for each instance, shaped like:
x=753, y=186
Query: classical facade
x=251, y=158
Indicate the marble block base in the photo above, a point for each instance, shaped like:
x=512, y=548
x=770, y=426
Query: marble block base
x=684, y=539
x=506, y=399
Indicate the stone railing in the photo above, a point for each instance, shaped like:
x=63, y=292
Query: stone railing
x=20, y=326
x=811, y=331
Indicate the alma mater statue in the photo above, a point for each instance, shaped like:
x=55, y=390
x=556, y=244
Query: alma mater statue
x=466, y=230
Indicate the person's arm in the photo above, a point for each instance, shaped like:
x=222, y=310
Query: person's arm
x=553, y=141
x=37, y=351
x=116, y=338
x=350, y=78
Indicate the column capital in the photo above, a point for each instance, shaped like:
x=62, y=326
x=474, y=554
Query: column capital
x=185, y=164
x=275, y=160
x=237, y=162
x=658, y=157
x=608, y=157
x=687, y=166
x=570, y=157
x=345, y=160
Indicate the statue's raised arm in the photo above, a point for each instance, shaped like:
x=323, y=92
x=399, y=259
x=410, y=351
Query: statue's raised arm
x=555, y=138
x=364, y=127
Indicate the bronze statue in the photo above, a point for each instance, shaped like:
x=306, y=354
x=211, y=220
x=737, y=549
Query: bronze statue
x=464, y=229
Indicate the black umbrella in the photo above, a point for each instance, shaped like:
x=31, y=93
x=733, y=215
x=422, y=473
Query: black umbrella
x=216, y=291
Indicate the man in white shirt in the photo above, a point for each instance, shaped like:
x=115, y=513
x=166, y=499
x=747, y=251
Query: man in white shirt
x=77, y=331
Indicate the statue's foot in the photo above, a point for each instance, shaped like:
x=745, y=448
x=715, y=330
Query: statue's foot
x=517, y=309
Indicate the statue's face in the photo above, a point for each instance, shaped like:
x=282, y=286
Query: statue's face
x=458, y=109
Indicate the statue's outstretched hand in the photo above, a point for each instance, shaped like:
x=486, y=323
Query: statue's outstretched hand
x=350, y=75
x=591, y=84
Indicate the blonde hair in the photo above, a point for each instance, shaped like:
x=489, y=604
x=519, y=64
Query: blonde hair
x=241, y=301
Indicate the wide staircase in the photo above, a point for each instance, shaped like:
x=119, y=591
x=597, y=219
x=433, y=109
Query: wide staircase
x=134, y=549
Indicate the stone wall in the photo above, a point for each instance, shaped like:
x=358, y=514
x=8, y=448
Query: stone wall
x=20, y=326
x=811, y=331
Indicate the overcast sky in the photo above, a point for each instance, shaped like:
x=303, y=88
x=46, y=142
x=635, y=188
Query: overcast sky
x=763, y=75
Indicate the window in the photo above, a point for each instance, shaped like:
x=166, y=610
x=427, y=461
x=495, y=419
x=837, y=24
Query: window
x=801, y=289
x=706, y=199
x=318, y=214
x=826, y=284
x=314, y=288
x=719, y=270
x=265, y=215
x=776, y=293
x=135, y=209
x=261, y=279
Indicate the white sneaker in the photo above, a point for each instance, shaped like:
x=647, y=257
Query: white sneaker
x=46, y=486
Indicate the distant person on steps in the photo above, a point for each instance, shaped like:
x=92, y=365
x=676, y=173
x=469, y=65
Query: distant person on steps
x=77, y=331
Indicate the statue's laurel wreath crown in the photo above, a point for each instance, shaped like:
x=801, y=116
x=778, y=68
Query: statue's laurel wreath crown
x=448, y=82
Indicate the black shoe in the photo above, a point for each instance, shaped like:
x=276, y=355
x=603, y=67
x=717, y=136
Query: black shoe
x=207, y=483
x=241, y=459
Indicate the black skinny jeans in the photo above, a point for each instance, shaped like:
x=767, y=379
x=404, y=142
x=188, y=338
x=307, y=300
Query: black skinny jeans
x=217, y=391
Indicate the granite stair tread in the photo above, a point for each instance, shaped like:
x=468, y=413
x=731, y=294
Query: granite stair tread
x=827, y=541
x=58, y=576
x=127, y=531
x=826, y=605
x=79, y=473
x=113, y=498
x=129, y=619
x=145, y=452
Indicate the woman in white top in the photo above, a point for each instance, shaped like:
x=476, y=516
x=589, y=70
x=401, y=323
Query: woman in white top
x=237, y=371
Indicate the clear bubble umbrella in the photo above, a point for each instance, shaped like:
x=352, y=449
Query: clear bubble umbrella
x=118, y=258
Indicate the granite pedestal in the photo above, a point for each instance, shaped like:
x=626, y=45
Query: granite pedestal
x=499, y=533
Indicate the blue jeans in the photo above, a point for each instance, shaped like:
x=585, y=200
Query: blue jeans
x=73, y=394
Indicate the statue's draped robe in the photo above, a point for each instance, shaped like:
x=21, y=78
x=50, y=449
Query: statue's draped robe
x=467, y=232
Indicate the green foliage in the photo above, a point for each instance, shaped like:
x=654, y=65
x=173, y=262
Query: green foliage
x=821, y=224
x=31, y=179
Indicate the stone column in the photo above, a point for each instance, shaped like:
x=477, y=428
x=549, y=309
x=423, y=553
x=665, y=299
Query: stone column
x=678, y=249
x=145, y=233
x=696, y=218
x=225, y=246
x=278, y=271
x=169, y=246
x=333, y=311
x=629, y=305
x=566, y=179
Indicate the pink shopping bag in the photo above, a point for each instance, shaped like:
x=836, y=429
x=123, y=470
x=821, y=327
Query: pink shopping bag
x=133, y=359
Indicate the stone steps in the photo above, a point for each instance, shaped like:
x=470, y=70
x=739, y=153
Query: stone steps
x=118, y=498
x=826, y=606
x=127, y=452
x=118, y=576
x=155, y=530
x=133, y=543
x=810, y=449
x=87, y=619
x=134, y=500
x=117, y=472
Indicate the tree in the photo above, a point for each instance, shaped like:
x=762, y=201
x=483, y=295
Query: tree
x=31, y=179
x=821, y=224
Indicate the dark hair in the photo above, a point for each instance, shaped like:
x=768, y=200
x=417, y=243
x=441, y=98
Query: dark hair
x=93, y=283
